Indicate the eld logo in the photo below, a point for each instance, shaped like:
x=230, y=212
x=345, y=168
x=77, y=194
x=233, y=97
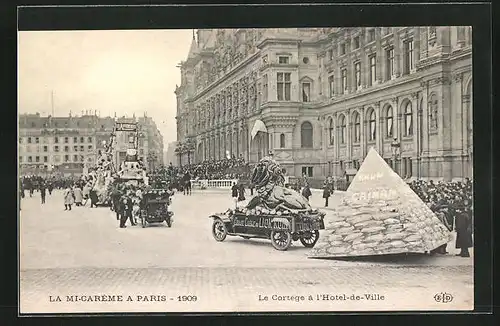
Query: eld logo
x=443, y=297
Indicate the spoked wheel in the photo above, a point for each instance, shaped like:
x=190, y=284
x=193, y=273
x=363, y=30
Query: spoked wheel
x=281, y=240
x=219, y=230
x=309, y=238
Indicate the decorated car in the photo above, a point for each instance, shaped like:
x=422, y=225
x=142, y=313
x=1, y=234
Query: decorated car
x=155, y=207
x=275, y=212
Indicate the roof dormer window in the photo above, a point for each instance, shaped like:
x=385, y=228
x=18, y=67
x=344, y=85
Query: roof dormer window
x=356, y=42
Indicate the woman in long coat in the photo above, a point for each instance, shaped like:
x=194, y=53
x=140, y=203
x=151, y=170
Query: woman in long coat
x=78, y=196
x=68, y=198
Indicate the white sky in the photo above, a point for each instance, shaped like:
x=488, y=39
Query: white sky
x=110, y=71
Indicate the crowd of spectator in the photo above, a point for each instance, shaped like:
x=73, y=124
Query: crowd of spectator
x=33, y=183
x=440, y=194
x=229, y=168
x=452, y=203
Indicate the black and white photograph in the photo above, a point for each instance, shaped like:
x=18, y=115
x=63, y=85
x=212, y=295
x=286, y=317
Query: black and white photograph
x=246, y=170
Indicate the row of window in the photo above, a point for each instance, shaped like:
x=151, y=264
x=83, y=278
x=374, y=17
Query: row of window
x=403, y=166
x=356, y=42
x=66, y=125
x=284, y=84
x=371, y=127
x=36, y=140
x=81, y=148
x=307, y=171
x=408, y=66
x=306, y=129
x=45, y=159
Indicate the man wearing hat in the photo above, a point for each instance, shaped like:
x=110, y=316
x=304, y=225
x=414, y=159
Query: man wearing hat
x=463, y=226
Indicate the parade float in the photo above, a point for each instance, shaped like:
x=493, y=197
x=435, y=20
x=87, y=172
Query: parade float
x=131, y=171
x=276, y=213
x=101, y=176
x=379, y=215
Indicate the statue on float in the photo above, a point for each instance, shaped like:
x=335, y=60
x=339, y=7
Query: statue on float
x=132, y=168
x=269, y=180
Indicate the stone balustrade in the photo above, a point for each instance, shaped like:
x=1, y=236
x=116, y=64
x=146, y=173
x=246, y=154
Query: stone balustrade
x=213, y=184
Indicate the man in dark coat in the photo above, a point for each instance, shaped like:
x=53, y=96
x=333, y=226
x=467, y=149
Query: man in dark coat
x=306, y=192
x=50, y=187
x=120, y=210
x=42, y=192
x=186, y=182
x=326, y=193
x=22, y=188
x=93, y=198
x=234, y=194
x=115, y=201
x=463, y=226
x=127, y=211
x=30, y=187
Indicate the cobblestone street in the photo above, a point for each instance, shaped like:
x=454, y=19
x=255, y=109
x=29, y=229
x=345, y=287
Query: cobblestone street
x=82, y=252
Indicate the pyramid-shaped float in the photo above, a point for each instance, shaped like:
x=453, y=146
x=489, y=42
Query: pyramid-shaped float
x=379, y=215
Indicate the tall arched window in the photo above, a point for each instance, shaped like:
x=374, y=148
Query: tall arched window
x=389, y=122
x=408, y=119
x=342, y=125
x=357, y=127
x=331, y=133
x=306, y=135
x=282, y=141
x=372, y=125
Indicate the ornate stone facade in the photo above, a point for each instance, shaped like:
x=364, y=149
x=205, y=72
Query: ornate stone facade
x=327, y=95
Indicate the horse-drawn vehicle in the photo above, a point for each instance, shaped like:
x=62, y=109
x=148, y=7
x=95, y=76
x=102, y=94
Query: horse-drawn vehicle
x=155, y=204
x=276, y=212
x=280, y=228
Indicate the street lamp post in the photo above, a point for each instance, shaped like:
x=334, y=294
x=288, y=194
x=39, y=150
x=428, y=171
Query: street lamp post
x=396, y=146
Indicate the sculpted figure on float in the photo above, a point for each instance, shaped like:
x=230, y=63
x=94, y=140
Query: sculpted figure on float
x=269, y=182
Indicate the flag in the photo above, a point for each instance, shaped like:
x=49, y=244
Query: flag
x=258, y=126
